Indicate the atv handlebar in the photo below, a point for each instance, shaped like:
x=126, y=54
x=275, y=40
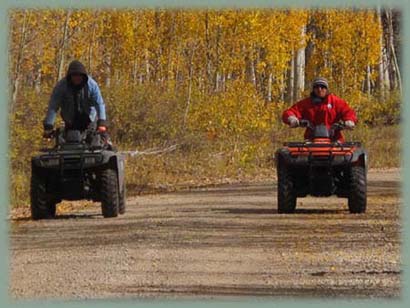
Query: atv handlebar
x=86, y=137
x=338, y=126
x=334, y=127
x=305, y=123
x=49, y=134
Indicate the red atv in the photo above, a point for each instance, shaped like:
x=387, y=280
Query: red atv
x=321, y=167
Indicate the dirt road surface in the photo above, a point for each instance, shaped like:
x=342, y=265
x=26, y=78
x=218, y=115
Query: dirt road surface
x=219, y=242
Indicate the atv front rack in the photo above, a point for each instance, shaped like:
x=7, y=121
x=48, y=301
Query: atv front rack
x=319, y=154
x=308, y=144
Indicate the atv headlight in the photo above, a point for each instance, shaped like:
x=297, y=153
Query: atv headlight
x=51, y=162
x=89, y=160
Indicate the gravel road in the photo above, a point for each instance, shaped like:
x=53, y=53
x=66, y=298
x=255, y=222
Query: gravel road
x=219, y=242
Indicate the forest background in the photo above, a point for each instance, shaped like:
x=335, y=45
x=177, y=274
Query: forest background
x=206, y=88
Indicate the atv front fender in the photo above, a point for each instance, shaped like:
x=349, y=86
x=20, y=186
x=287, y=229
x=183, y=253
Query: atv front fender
x=117, y=161
x=120, y=165
x=360, y=157
x=282, y=154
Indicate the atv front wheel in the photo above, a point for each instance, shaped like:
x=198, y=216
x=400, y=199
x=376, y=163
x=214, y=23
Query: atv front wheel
x=358, y=189
x=109, y=193
x=286, y=190
x=41, y=207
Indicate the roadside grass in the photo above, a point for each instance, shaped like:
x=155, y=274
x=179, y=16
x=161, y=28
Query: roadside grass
x=215, y=166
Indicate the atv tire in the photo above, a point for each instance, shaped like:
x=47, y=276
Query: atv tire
x=109, y=193
x=40, y=205
x=358, y=189
x=286, y=190
x=123, y=196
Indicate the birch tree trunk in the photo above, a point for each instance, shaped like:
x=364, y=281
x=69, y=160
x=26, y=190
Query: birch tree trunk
x=17, y=70
x=90, y=49
x=253, y=63
x=291, y=83
x=253, y=73
x=168, y=73
x=37, y=78
x=107, y=64
x=63, y=44
x=250, y=69
x=190, y=77
x=217, y=81
x=381, y=83
x=368, y=81
x=270, y=88
x=300, y=68
x=208, y=51
x=386, y=72
x=147, y=66
x=282, y=87
x=393, y=54
x=135, y=69
x=217, y=77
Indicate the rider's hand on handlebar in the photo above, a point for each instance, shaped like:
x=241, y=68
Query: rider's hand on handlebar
x=293, y=121
x=48, y=133
x=102, y=126
x=305, y=123
x=349, y=124
x=102, y=129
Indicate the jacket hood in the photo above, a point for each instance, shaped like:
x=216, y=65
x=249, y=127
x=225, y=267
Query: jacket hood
x=76, y=67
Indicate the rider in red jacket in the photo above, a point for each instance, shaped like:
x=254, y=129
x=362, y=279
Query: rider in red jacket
x=321, y=107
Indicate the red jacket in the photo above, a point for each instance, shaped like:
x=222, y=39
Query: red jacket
x=331, y=110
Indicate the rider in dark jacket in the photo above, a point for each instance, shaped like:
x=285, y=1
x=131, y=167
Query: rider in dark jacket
x=78, y=97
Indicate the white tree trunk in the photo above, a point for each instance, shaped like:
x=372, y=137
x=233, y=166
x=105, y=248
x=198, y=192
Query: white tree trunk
x=147, y=66
x=64, y=41
x=208, y=50
x=135, y=69
x=282, y=86
x=395, y=64
x=291, y=82
x=223, y=81
x=37, y=80
x=17, y=71
x=90, y=50
x=191, y=73
x=386, y=74
x=270, y=88
x=217, y=82
x=368, y=81
x=252, y=67
x=300, y=68
x=381, y=66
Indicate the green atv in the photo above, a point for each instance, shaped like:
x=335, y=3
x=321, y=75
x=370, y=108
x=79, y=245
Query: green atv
x=81, y=165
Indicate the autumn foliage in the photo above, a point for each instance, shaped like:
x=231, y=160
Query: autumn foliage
x=213, y=82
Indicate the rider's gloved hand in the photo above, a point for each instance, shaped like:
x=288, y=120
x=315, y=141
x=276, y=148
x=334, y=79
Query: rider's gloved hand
x=349, y=124
x=102, y=126
x=102, y=129
x=293, y=121
x=47, y=134
x=48, y=131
